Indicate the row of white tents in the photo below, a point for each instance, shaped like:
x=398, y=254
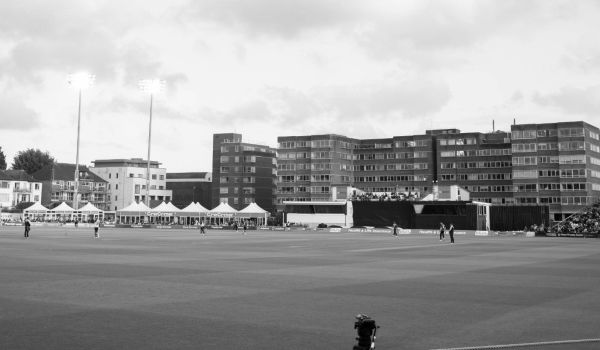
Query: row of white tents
x=194, y=212
x=63, y=212
x=164, y=213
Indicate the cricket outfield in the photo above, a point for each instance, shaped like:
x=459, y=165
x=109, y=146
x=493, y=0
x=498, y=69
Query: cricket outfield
x=174, y=289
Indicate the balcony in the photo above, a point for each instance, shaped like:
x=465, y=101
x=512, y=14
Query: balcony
x=21, y=190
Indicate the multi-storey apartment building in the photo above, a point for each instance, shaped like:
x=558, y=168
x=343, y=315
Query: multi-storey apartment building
x=404, y=164
x=58, y=185
x=556, y=164
x=126, y=181
x=17, y=187
x=314, y=168
x=478, y=162
x=243, y=173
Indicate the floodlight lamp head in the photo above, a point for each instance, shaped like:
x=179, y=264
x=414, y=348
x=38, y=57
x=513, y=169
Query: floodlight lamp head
x=152, y=86
x=81, y=80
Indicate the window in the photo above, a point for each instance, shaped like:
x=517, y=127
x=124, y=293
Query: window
x=109, y=175
x=524, y=134
x=525, y=188
x=448, y=177
x=524, y=160
x=224, y=159
x=321, y=143
x=571, y=173
x=570, y=132
x=523, y=147
x=320, y=178
x=161, y=177
x=287, y=167
x=130, y=174
x=223, y=190
x=573, y=159
x=319, y=189
x=153, y=176
x=286, y=178
x=571, y=146
x=116, y=186
x=525, y=174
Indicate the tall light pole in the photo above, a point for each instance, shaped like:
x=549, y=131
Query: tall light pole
x=151, y=87
x=80, y=81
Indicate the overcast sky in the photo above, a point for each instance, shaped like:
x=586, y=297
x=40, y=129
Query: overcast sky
x=269, y=68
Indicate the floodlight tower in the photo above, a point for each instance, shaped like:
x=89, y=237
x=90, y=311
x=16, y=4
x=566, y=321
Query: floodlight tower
x=79, y=81
x=151, y=87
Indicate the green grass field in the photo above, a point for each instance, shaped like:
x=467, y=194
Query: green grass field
x=163, y=289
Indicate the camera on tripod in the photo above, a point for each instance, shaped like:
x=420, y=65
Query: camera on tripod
x=366, y=329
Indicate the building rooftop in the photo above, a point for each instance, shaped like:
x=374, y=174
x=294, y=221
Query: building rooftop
x=133, y=162
x=65, y=172
x=15, y=175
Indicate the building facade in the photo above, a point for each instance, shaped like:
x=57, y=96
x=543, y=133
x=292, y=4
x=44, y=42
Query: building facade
x=478, y=162
x=243, y=173
x=126, y=181
x=314, y=168
x=58, y=185
x=190, y=187
x=556, y=164
x=18, y=187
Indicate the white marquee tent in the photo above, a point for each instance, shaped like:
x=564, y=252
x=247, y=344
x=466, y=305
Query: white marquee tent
x=134, y=213
x=90, y=212
x=192, y=213
x=35, y=212
x=253, y=210
x=62, y=212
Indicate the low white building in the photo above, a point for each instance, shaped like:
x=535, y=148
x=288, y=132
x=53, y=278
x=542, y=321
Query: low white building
x=16, y=187
x=127, y=181
x=313, y=213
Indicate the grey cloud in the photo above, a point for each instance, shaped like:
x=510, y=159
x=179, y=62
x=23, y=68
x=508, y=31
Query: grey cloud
x=66, y=36
x=583, y=101
x=276, y=17
x=441, y=26
x=15, y=115
x=349, y=110
x=379, y=99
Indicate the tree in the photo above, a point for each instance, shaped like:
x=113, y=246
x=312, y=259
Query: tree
x=32, y=160
x=2, y=160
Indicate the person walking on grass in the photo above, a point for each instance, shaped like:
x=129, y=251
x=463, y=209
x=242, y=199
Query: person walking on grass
x=202, y=228
x=442, y=229
x=96, y=227
x=395, y=228
x=245, y=227
x=451, y=232
x=27, y=228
